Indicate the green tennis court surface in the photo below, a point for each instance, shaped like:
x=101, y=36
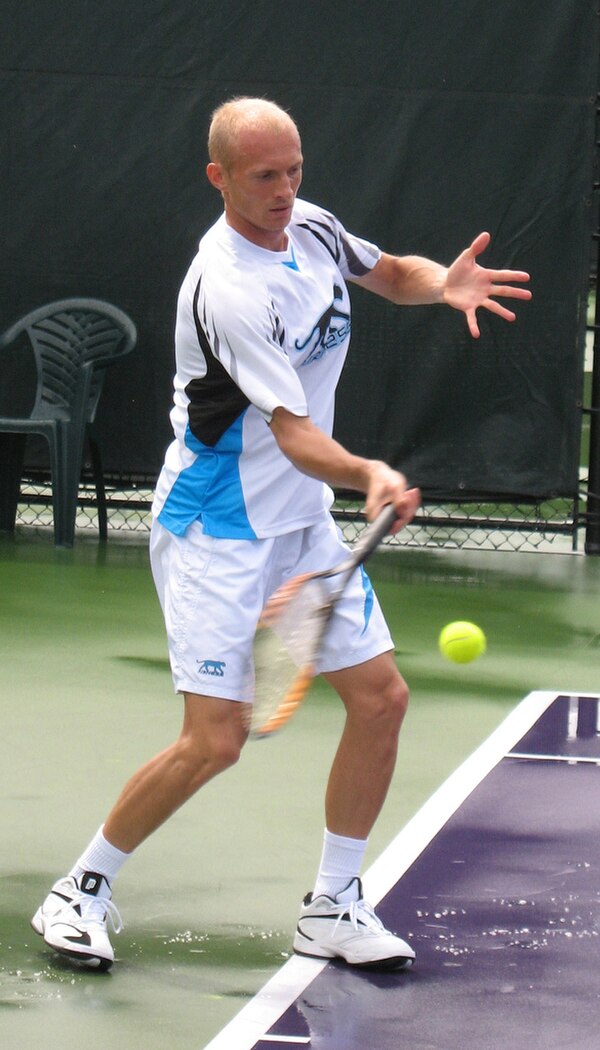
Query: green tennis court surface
x=211, y=900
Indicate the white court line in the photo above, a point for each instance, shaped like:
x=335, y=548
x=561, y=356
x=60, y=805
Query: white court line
x=278, y=994
x=569, y=759
x=303, y=1039
x=257, y=1016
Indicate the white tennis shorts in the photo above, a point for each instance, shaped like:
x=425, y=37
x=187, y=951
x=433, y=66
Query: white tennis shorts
x=212, y=592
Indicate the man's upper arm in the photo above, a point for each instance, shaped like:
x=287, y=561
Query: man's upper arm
x=241, y=331
x=289, y=428
x=383, y=278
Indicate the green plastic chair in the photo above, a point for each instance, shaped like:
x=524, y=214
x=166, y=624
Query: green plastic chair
x=74, y=341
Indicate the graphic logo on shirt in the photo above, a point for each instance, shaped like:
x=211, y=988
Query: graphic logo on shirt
x=331, y=330
x=212, y=667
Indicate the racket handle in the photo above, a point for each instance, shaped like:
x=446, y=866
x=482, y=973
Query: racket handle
x=374, y=533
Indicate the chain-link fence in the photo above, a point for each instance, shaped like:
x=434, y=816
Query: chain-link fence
x=552, y=525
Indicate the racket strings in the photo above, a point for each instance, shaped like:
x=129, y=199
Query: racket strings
x=297, y=622
x=285, y=650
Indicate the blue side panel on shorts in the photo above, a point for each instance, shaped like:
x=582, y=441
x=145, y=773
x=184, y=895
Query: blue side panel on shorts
x=368, y=589
x=210, y=490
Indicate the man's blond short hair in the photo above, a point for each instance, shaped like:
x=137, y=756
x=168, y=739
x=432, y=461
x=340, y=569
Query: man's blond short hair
x=236, y=115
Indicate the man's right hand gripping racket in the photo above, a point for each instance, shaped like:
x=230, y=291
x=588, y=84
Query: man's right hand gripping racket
x=291, y=630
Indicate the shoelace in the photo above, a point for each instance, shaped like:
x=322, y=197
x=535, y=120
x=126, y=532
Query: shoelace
x=359, y=911
x=95, y=910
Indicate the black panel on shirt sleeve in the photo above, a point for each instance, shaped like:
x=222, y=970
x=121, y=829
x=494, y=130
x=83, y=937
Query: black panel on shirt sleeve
x=323, y=233
x=335, y=242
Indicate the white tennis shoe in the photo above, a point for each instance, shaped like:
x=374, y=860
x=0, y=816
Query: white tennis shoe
x=73, y=920
x=348, y=928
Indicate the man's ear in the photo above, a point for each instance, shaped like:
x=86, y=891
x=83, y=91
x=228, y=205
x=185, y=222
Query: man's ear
x=215, y=175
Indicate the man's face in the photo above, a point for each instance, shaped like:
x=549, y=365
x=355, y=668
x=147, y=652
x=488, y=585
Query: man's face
x=260, y=184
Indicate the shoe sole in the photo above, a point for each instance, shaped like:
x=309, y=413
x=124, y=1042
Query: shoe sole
x=397, y=962
x=91, y=962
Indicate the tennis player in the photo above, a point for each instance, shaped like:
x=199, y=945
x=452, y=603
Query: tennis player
x=243, y=504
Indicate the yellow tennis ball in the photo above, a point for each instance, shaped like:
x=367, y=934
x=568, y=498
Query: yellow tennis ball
x=462, y=641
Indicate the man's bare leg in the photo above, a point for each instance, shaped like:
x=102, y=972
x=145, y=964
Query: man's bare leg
x=211, y=739
x=375, y=697
x=334, y=920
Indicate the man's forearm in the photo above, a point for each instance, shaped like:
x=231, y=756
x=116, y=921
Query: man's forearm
x=316, y=454
x=409, y=280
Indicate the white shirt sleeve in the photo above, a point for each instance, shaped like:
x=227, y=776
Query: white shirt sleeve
x=241, y=328
x=353, y=255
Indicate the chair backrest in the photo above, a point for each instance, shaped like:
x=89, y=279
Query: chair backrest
x=74, y=341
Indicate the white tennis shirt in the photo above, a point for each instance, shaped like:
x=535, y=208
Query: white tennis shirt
x=256, y=329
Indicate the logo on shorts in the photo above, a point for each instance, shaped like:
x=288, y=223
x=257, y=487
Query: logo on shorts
x=212, y=667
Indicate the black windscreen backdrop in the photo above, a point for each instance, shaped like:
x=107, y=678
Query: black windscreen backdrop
x=422, y=124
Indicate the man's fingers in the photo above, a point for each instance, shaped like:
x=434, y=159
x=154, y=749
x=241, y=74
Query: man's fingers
x=521, y=276
x=497, y=308
x=479, y=244
x=472, y=323
x=406, y=508
x=506, y=291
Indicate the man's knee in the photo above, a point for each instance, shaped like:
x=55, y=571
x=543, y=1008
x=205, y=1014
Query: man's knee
x=212, y=738
x=200, y=761
x=390, y=702
x=224, y=750
x=375, y=693
x=401, y=697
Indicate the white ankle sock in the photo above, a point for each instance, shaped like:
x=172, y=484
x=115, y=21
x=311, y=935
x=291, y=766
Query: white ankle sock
x=100, y=856
x=340, y=863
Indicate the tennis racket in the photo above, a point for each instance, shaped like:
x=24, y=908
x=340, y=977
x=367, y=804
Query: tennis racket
x=291, y=630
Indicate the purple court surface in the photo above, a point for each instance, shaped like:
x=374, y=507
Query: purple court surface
x=496, y=884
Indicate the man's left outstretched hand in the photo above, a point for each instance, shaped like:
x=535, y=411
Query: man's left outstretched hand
x=470, y=286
